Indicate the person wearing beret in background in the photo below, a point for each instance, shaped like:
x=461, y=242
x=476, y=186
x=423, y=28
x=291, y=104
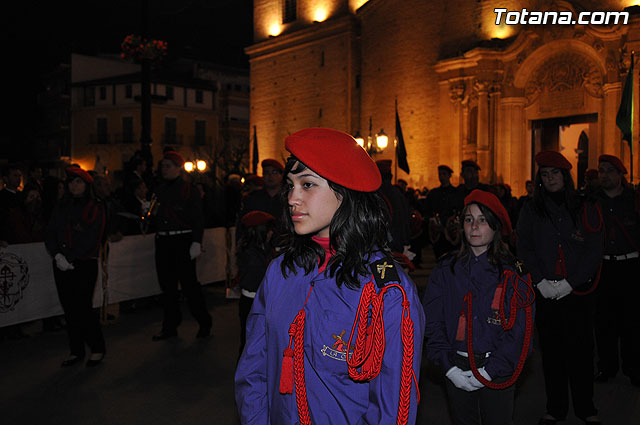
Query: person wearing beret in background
x=560, y=239
x=476, y=277
x=441, y=206
x=253, y=254
x=179, y=223
x=267, y=198
x=399, y=209
x=74, y=235
x=469, y=171
x=309, y=323
x=617, y=320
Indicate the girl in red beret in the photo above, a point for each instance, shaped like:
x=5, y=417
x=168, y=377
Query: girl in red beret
x=481, y=357
x=560, y=239
x=335, y=332
x=74, y=235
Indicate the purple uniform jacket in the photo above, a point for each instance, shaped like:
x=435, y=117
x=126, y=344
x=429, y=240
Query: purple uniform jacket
x=333, y=397
x=443, y=302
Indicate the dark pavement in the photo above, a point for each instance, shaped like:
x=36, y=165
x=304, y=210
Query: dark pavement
x=189, y=381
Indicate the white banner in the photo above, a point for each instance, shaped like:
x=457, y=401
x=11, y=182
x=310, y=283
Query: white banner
x=28, y=291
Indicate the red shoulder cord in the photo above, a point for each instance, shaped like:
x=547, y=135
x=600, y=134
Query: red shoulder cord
x=591, y=229
x=370, y=344
x=521, y=298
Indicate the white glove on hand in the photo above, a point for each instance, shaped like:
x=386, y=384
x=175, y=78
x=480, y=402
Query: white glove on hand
x=477, y=384
x=410, y=255
x=460, y=379
x=195, y=250
x=547, y=289
x=62, y=263
x=563, y=288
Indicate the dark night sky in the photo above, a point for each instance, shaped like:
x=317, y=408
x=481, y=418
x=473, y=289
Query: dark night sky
x=40, y=35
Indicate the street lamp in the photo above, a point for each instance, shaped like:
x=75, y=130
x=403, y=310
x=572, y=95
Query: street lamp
x=373, y=145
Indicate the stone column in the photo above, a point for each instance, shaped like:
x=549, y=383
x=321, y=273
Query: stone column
x=484, y=154
x=513, y=149
x=611, y=134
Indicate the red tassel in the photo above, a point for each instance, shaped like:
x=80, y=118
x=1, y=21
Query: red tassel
x=286, y=373
x=462, y=324
x=495, y=304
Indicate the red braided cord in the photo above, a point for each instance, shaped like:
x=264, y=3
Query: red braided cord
x=526, y=302
x=370, y=344
x=298, y=368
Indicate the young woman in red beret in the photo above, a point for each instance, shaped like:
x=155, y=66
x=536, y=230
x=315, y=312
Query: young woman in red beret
x=560, y=239
x=335, y=332
x=74, y=236
x=481, y=357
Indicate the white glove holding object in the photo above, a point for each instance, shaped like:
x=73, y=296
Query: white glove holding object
x=195, y=250
x=477, y=384
x=563, y=288
x=460, y=379
x=62, y=263
x=547, y=289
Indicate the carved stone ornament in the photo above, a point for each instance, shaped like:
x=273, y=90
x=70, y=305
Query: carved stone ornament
x=565, y=72
x=456, y=92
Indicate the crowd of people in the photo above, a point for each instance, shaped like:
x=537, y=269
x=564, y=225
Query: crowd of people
x=325, y=239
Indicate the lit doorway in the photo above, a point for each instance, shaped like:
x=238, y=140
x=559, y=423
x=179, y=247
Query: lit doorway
x=567, y=135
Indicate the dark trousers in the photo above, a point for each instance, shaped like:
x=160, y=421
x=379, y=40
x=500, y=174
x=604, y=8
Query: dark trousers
x=484, y=406
x=565, y=329
x=617, y=319
x=173, y=265
x=75, y=291
x=244, y=307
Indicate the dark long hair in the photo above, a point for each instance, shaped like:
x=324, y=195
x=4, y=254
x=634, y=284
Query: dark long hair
x=358, y=228
x=571, y=197
x=498, y=253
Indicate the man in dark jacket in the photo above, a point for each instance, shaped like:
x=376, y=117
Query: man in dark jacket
x=179, y=223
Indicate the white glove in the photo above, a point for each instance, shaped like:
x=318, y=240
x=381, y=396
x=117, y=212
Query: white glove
x=62, y=263
x=547, y=289
x=477, y=384
x=460, y=379
x=410, y=255
x=563, y=288
x=195, y=250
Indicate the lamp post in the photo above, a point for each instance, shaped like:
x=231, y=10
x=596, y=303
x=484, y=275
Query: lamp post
x=373, y=144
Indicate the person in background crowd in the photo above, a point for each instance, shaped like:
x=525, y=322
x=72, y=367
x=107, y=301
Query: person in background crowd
x=591, y=182
x=528, y=186
x=252, y=183
x=112, y=205
x=401, y=184
x=469, y=172
x=266, y=199
x=232, y=200
x=503, y=192
x=74, y=236
x=10, y=195
x=335, y=268
x=253, y=255
x=398, y=207
x=136, y=203
x=473, y=279
x=179, y=224
x=616, y=318
x=25, y=224
x=560, y=239
x=35, y=177
x=442, y=204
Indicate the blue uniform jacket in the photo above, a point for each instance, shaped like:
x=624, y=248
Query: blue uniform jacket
x=330, y=311
x=539, y=237
x=443, y=302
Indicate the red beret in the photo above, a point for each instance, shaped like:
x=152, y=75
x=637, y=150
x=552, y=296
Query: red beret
x=174, y=157
x=470, y=163
x=591, y=174
x=490, y=201
x=272, y=163
x=75, y=171
x=445, y=168
x=256, y=218
x=552, y=159
x=615, y=161
x=336, y=156
x=384, y=165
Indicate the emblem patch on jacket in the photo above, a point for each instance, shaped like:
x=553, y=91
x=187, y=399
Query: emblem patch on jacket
x=577, y=235
x=384, y=271
x=338, y=351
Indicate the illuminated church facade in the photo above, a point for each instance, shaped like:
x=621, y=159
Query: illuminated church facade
x=465, y=87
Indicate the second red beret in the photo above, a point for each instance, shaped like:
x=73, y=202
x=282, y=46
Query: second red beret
x=492, y=202
x=552, y=159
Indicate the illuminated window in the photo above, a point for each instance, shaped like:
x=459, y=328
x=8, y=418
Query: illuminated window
x=290, y=13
